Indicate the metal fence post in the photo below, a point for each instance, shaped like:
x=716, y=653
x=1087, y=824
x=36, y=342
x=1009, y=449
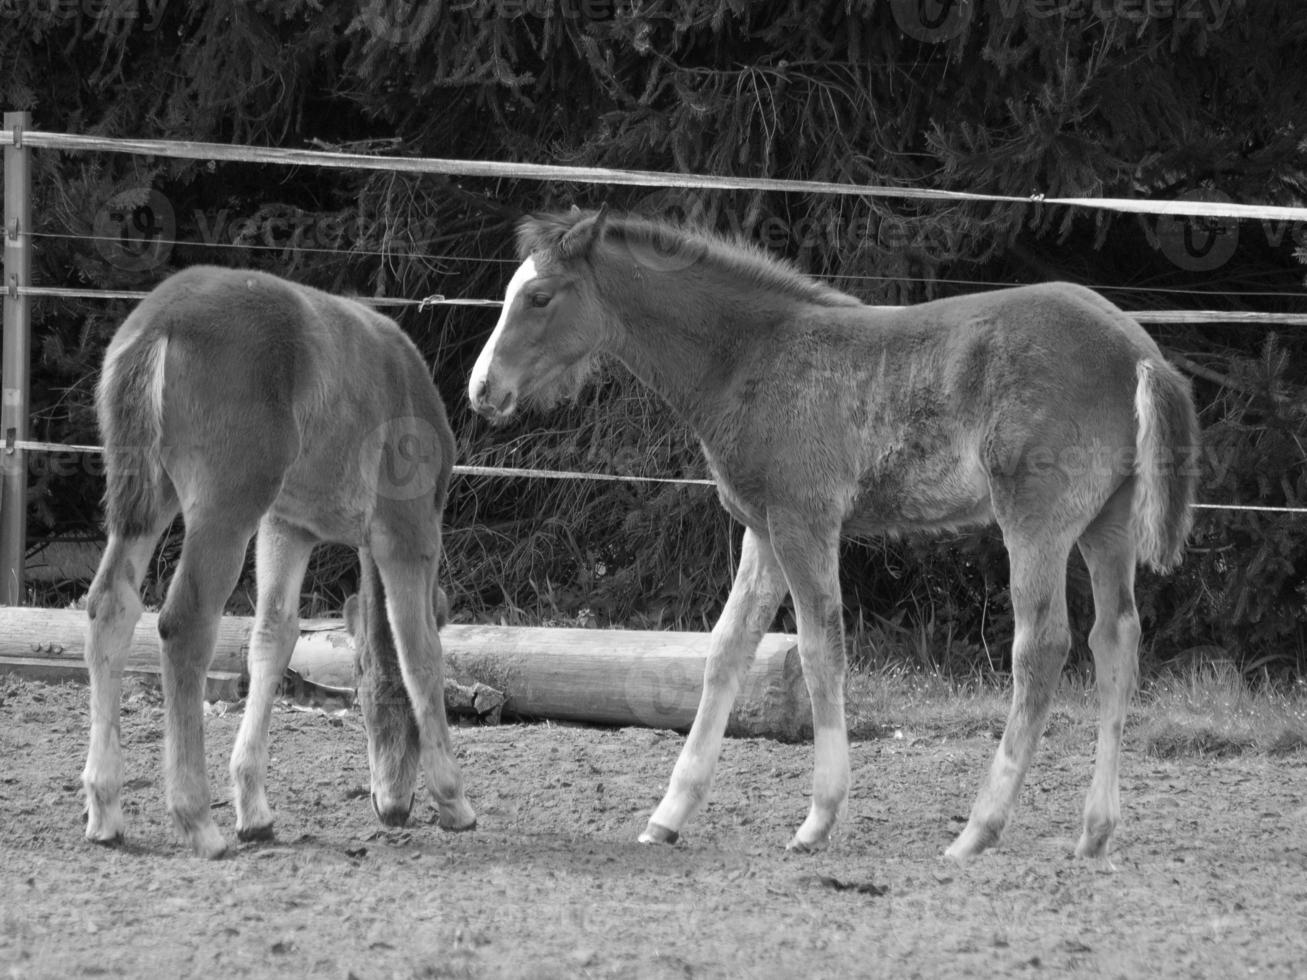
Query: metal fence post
x=17, y=359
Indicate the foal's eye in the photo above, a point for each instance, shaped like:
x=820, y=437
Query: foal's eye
x=539, y=300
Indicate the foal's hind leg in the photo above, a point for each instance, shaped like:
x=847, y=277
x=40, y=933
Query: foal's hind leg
x=112, y=608
x=757, y=591
x=408, y=579
x=281, y=556
x=1039, y=649
x=1109, y=549
x=212, y=556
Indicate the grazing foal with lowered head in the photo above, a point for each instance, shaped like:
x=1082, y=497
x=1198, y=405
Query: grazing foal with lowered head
x=1043, y=408
x=246, y=402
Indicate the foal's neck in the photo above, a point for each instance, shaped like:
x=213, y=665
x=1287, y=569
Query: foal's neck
x=682, y=340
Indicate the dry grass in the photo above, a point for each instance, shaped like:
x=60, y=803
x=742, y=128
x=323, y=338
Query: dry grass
x=1211, y=710
x=904, y=702
x=1206, y=711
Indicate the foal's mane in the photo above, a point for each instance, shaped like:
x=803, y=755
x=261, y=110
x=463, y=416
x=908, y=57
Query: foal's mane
x=736, y=258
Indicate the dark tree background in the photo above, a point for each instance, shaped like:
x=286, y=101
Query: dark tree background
x=1146, y=99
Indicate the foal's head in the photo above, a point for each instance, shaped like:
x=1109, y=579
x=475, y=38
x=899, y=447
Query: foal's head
x=552, y=324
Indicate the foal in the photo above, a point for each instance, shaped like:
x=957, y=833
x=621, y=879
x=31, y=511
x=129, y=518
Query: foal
x=246, y=402
x=1043, y=408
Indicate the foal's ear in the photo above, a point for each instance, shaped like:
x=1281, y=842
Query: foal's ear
x=578, y=241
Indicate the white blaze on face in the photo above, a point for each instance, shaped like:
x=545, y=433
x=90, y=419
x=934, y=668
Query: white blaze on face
x=476, y=385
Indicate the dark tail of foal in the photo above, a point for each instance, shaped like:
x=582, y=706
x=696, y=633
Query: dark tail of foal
x=1166, y=463
x=129, y=403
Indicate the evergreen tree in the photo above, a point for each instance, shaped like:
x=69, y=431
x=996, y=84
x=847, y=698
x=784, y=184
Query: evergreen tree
x=1061, y=98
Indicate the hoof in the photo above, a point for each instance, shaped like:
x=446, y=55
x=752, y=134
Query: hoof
x=457, y=828
x=976, y=837
x=104, y=820
x=215, y=853
x=211, y=847
x=202, y=837
x=456, y=815
x=392, y=816
x=248, y=835
x=1095, y=850
x=656, y=833
x=799, y=846
x=1093, y=845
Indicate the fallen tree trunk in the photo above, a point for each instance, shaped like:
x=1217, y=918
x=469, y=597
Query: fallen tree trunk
x=616, y=677
x=50, y=645
x=628, y=677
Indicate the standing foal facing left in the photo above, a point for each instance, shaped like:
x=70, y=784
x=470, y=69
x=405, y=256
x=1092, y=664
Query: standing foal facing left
x=246, y=402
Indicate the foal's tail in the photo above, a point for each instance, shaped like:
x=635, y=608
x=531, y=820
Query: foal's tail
x=1166, y=462
x=129, y=404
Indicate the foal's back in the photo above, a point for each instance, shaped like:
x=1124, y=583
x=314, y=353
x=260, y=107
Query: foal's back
x=1051, y=334
x=910, y=418
x=256, y=368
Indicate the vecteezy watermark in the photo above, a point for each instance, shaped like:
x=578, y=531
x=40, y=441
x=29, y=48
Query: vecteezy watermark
x=938, y=21
x=402, y=458
x=668, y=250
x=832, y=231
x=287, y=230
x=1200, y=243
x=402, y=23
x=405, y=23
x=933, y=21
x=135, y=229
x=662, y=691
x=102, y=12
x=598, y=10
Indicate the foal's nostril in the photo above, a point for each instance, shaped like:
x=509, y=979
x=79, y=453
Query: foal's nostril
x=491, y=407
x=476, y=392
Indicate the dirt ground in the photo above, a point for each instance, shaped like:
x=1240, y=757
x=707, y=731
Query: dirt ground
x=1210, y=876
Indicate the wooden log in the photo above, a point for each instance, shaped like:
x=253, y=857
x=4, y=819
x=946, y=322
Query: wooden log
x=616, y=677
x=324, y=656
x=629, y=677
x=219, y=685
x=50, y=644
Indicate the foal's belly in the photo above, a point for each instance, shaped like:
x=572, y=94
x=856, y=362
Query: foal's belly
x=900, y=495
x=337, y=510
x=870, y=523
x=897, y=495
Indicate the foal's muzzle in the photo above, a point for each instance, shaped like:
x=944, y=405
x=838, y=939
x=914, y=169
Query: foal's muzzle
x=493, y=405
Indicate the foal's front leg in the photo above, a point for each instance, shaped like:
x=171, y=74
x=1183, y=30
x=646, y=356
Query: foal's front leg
x=808, y=552
x=758, y=590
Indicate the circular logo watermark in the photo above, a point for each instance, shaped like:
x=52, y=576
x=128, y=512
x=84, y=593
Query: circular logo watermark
x=135, y=229
x=401, y=459
x=670, y=249
x=1195, y=242
x=663, y=691
x=932, y=21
